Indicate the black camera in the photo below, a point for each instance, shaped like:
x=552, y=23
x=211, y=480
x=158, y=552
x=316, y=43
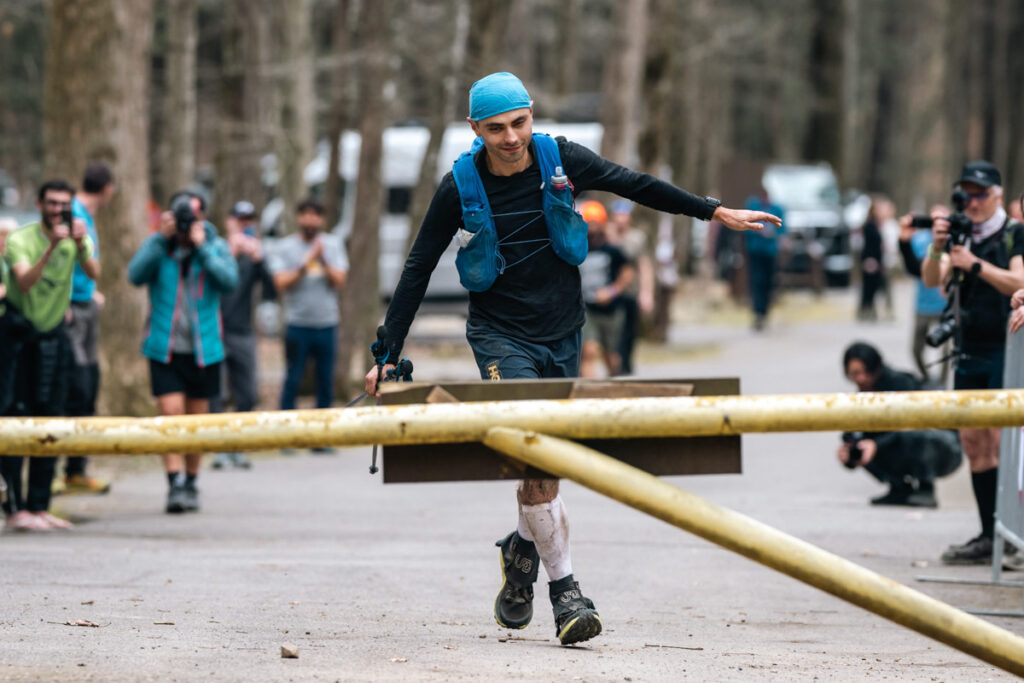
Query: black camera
x=67, y=218
x=959, y=224
x=852, y=438
x=944, y=329
x=184, y=217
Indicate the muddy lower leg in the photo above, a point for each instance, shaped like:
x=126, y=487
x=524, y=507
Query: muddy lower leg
x=543, y=520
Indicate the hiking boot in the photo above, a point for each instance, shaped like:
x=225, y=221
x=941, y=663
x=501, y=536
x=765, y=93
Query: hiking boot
x=978, y=550
x=221, y=461
x=576, y=619
x=513, y=608
x=190, y=497
x=176, y=499
x=923, y=496
x=897, y=495
x=906, y=494
x=80, y=483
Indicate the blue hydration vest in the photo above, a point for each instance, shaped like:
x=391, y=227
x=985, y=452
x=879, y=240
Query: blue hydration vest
x=480, y=262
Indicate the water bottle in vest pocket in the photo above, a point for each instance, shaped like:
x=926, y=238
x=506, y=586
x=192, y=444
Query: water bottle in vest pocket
x=566, y=227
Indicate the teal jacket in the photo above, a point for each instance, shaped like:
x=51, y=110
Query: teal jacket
x=211, y=271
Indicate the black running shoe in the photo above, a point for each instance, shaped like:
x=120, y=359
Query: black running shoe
x=513, y=608
x=978, y=550
x=190, y=497
x=176, y=499
x=576, y=619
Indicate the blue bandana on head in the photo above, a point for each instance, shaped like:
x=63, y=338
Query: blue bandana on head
x=497, y=94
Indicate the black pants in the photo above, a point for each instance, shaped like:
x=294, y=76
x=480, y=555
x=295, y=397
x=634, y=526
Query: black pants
x=83, y=387
x=630, y=324
x=923, y=455
x=40, y=366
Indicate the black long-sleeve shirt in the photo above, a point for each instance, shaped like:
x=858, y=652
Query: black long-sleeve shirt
x=540, y=298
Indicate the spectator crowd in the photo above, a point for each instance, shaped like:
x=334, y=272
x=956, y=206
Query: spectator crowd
x=198, y=338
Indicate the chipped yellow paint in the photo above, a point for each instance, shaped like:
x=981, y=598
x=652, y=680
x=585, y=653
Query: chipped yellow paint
x=764, y=544
x=469, y=422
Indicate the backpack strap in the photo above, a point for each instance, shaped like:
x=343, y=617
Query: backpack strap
x=546, y=149
x=472, y=195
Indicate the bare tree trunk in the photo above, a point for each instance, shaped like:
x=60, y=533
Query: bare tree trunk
x=654, y=140
x=824, y=140
x=294, y=80
x=569, y=48
x=82, y=60
x=623, y=74
x=488, y=20
x=246, y=119
x=340, y=106
x=360, y=300
x=441, y=114
x=177, y=139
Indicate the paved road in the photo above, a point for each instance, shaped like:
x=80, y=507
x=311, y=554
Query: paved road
x=378, y=582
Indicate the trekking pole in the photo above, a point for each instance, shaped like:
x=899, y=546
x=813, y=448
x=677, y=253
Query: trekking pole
x=401, y=372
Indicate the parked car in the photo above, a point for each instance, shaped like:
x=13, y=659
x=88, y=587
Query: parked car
x=819, y=238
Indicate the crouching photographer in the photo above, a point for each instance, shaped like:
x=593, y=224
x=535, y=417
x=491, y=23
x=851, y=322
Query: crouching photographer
x=977, y=253
x=908, y=461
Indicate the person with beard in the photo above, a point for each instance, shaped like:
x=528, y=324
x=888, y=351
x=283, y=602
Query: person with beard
x=526, y=322
x=187, y=267
x=988, y=269
x=309, y=267
x=240, y=348
x=36, y=362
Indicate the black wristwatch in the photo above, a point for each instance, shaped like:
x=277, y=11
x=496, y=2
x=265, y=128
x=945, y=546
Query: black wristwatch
x=713, y=204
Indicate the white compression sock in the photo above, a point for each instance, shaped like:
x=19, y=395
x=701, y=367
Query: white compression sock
x=548, y=526
x=523, y=528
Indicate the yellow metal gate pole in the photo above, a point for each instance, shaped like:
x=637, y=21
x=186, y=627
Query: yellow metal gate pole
x=764, y=544
x=469, y=422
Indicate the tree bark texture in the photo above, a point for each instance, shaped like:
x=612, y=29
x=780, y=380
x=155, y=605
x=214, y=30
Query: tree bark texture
x=247, y=123
x=96, y=108
x=623, y=75
x=294, y=79
x=177, y=135
x=340, y=105
x=360, y=300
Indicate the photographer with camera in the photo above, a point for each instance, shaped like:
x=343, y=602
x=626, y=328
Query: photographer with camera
x=982, y=266
x=36, y=361
x=186, y=267
x=908, y=461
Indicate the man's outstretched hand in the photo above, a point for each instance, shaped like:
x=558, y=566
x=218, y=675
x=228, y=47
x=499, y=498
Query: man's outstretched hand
x=744, y=219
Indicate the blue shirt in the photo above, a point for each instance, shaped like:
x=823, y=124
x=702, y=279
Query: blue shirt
x=82, y=286
x=929, y=300
x=765, y=242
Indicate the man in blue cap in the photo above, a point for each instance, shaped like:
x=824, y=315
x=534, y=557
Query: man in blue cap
x=527, y=323
x=988, y=267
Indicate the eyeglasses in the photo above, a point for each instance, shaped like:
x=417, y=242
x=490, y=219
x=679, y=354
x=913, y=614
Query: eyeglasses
x=56, y=204
x=980, y=196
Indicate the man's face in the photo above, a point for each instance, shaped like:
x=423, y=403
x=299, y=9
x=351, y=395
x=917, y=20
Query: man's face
x=858, y=373
x=54, y=202
x=506, y=136
x=982, y=202
x=310, y=223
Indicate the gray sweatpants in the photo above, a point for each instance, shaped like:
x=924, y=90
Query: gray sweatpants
x=239, y=373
